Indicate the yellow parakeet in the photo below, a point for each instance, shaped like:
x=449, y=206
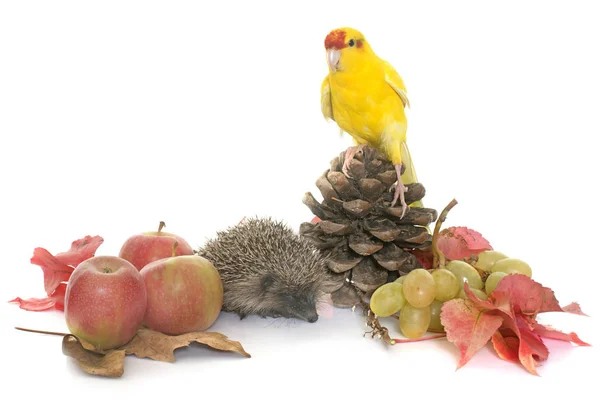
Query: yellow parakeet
x=366, y=97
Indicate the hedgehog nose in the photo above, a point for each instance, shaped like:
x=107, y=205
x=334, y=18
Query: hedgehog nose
x=313, y=318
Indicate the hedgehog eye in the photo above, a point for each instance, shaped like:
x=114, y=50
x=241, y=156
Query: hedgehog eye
x=351, y=43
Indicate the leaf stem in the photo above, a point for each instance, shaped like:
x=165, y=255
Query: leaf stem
x=421, y=339
x=439, y=260
x=44, y=332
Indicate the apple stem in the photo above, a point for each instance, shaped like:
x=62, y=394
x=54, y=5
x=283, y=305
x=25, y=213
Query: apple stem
x=44, y=332
x=161, y=226
x=174, y=247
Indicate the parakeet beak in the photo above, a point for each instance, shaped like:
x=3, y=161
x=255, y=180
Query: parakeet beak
x=333, y=58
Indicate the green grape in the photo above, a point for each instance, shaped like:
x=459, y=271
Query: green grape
x=387, y=299
x=419, y=288
x=492, y=281
x=465, y=272
x=435, y=325
x=446, y=284
x=478, y=293
x=512, y=266
x=487, y=258
x=401, y=279
x=414, y=321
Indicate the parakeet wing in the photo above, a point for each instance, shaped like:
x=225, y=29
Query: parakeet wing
x=394, y=79
x=326, y=107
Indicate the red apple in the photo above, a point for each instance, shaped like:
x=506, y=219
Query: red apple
x=143, y=248
x=185, y=294
x=105, y=301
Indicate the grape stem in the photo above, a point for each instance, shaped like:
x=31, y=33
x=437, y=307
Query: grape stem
x=382, y=332
x=439, y=260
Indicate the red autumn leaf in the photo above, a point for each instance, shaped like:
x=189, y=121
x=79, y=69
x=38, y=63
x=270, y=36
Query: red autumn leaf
x=519, y=300
x=574, y=308
x=424, y=257
x=55, y=300
x=460, y=242
x=34, y=304
x=468, y=327
x=81, y=250
x=516, y=302
x=507, y=347
x=529, y=297
x=531, y=347
x=59, y=296
x=55, y=271
x=59, y=268
x=551, y=333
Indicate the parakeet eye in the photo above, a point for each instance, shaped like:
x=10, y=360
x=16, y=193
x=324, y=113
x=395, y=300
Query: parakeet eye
x=351, y=43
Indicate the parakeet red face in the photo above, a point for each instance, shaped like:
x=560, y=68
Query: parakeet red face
x=341, y=41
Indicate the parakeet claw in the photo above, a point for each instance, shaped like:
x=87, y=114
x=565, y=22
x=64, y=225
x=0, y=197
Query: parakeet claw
x=399, y=192
x=349, y=156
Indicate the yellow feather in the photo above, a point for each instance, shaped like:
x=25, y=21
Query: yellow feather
x=396, y=82
x=326, y=108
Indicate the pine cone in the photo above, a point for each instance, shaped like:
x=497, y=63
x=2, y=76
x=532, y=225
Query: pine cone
x=363, y=238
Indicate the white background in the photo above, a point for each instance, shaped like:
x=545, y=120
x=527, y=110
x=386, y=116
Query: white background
x=115, y=115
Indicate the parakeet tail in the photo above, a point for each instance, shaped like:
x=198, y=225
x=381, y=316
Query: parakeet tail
x=409, y=175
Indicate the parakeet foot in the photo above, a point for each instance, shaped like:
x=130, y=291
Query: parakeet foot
x=350, y=152
x=349, y=156
x=400, y=190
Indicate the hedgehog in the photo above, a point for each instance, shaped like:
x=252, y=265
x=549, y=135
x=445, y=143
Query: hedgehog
x=268, y=270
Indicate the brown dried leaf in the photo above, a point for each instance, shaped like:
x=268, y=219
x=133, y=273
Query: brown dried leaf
x=148, y=343
x=109, y=364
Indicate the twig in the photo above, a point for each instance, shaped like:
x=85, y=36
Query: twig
x=376, y=328
x=382, y=332
x=44, y=332
x=438, y=257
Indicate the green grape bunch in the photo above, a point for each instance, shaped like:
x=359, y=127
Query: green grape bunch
x=416, y=299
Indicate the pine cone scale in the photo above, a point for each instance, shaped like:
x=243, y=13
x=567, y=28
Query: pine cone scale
x=342, y=186
x=368, y=276
x=364, y=245
x=357, y=208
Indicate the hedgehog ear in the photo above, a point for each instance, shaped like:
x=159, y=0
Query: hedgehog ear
x=266, y=283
